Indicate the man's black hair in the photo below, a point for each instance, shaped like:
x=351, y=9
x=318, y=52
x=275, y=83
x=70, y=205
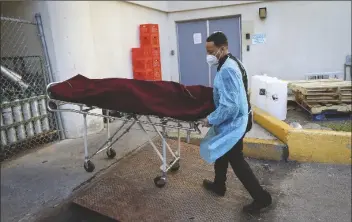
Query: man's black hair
x=218, y=38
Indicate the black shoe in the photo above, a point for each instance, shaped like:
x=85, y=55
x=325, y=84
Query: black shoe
x=212, y=187
x=256, y=206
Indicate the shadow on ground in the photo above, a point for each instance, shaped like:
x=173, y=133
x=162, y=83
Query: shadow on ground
x=71, y=212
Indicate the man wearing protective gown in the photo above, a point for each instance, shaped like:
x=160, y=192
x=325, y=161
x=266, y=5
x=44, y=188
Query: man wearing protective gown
x=229, y=123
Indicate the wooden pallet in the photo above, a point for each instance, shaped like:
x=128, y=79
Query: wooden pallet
x=319, y=107
x=330, y=91
x=320, y=112
x=316, y=80
x=333, y=112
x=322, y=99
x=328, y=99
x=321, y=87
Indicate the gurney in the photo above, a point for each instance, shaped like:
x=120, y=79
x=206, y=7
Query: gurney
x=169, y=104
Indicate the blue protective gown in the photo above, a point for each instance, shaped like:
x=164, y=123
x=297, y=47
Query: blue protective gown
x=229, y=120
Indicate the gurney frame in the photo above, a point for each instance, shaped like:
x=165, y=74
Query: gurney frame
x=53, y=105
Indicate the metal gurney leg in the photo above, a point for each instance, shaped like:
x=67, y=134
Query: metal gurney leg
x=174, y=165
x=88, y=164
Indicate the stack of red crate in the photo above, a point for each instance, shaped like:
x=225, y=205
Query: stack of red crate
x=146, y=59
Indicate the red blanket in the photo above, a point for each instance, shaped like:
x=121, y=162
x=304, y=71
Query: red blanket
x=159, y=98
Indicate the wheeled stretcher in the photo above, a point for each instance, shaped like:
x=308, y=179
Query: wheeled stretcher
x=56, y=99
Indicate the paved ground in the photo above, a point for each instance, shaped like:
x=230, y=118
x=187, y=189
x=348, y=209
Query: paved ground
x=315, y=192
x=302, y=192
x=46, y=176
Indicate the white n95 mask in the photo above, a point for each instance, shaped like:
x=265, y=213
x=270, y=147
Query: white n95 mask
x=212, y=60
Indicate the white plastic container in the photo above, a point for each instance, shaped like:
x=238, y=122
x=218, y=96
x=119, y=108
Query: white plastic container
x=257, y=97
x=270, y=95
x=254, y=89
x=276, y=98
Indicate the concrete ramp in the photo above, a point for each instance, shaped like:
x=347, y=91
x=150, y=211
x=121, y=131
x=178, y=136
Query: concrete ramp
x=127, y=192
x=300, y=192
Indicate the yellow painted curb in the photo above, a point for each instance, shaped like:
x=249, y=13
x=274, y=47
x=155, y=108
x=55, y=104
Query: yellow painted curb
x=265, y=149
x=320, y=146
x=277, y=127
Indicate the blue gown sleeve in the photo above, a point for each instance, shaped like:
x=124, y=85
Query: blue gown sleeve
x=228, y=89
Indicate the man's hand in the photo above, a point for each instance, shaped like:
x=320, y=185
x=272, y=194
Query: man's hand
x=204, y=122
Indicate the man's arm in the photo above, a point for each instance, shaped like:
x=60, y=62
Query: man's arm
x=229, y=91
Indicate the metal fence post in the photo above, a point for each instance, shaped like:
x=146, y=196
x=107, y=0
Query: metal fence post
x=38, y=19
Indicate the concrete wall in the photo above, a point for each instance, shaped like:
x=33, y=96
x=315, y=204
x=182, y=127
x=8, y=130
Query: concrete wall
x=115, y=26
x=95, y=41
x=302, y=37
x=176, y=6
x=157, y=5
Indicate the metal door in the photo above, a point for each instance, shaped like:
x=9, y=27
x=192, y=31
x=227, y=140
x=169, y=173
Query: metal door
x=192, y=57
x=192, y=53
x=231, y=27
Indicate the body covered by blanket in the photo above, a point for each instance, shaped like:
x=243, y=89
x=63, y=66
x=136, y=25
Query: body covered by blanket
x=159, y=98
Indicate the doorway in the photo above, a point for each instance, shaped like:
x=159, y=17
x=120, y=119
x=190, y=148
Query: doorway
x=192, y=36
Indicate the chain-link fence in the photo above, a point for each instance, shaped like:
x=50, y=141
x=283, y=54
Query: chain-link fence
x=25, y=122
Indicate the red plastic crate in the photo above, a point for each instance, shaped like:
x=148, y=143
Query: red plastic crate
x=146, y=63
x=138, y=76
x=143, y=63
x=148, y=29
x=149, y=40
x=143, y=74
x=155, y=52
x=150, y=76
x=153, y=75
x=150, y=51
x=156, y=63
x=157, y=70
x=146, y=51
x=136, y=52
x=157, y=74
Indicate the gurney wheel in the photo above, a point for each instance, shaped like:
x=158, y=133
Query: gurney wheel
x=159, y=181
x=111, y=153
x=175, y=167
x=89, y=166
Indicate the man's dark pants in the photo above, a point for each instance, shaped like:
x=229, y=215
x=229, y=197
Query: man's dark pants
x=242, y=170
